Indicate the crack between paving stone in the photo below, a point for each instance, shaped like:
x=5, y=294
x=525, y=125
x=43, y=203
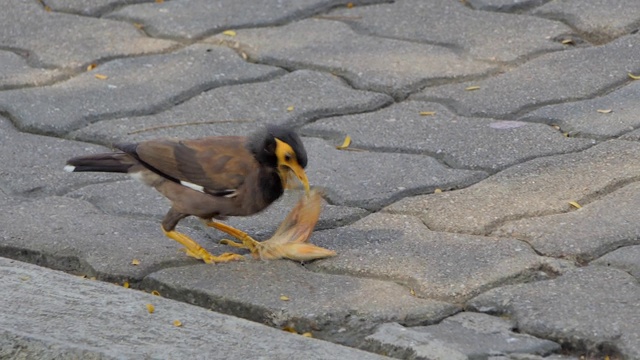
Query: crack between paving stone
x=99, y=11
x=516, y=9
x=31, y=60
x=444, y=159
x=397, y=94
x=70, y=263
x=329, y=138
x=274, y=318
x=294, y=17
x=360, y=30
x=162, y=106
x=452, y=105
x=594, y=38
x=490, y=228
x=568, y=348
x=601, y=93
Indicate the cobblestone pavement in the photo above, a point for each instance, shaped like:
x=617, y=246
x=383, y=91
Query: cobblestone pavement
x=486, y=209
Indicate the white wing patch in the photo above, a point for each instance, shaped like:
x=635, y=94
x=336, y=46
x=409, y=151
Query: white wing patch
x=193, y=186
x=69, y=168
x=232, y=193
x=229, y=193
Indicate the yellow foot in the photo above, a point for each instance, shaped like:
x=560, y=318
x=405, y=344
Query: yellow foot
x=196, y=251
x=247, y=241
x=209, y=258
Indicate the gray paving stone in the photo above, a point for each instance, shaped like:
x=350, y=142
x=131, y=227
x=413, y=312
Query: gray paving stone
x=131, y=198
x=68, y=41
x=31, y=165
x=463, y=336
x=372, y=180
x=242, y=108
x=379, y=64
x=631, y=136
x=581, y=118
x=15, y=72
x=538, y=187
x=585, y=234
x=602, y=20
x=443, y=266
x=625, y=258
x=504, y=5
x=588, y=309
x=134, y=86
x=534, y=357
x=575, y=74
x=84, y=319
x=461, y=142
x=89, y=7
x=72, y=235
x=183, y=19
x=342, y=309
x=483, y=35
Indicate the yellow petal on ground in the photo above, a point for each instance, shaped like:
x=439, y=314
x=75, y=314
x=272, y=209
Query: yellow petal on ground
x=604, y=111
x=308, y=334
x=155, y=293
x=349, y=5
x=101, y=77
x=159, y=1
x=345, y=143
x=567, y=42
x=575, y=204
x=229, y=33
x=150, y=308
x=135, y=262
x=427, y=113
x=471, y=88
x=91, y=66
x=284, y=298
x=138, y=25
x=47, y=8
x=437, y=191
x=93, y=278
x=412, y=292
x=125, y=285
x=290, y=108
x=634, y=77
x=177, y=323
x=290, y=329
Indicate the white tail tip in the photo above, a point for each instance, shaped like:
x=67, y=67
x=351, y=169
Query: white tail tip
x=69, y=168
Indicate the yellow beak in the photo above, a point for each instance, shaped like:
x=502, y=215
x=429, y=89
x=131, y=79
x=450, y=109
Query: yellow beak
x=301, y=175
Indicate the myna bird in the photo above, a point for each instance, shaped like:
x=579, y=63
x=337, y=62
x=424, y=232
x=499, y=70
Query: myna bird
x=211, y=178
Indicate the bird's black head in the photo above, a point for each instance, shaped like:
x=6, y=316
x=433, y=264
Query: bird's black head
x=281, y=148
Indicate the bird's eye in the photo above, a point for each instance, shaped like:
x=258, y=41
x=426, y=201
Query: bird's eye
x=287, y=157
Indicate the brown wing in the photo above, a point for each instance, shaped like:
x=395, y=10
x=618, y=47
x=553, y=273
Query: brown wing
x=218, y=164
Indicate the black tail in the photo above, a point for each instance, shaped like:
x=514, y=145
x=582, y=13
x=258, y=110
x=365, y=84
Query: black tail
x=109, y=162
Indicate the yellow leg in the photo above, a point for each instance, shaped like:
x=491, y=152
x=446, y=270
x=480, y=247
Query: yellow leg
x=247, y=241
x=197, y=251
x=232, y=243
